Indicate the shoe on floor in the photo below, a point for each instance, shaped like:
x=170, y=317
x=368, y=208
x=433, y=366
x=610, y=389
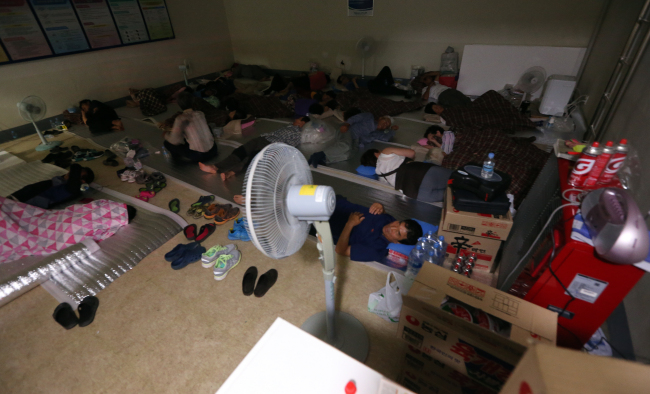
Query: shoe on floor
x=228, y=215
x=225, y=263
x=190, y=232
x=175, y=205
x=248, y=283
x=238, y=234
x=190, y=254
x=64, y=315
x=205, y=231
x=208, y=258
x=267, y=280
x=239, y=223
x=87, y=309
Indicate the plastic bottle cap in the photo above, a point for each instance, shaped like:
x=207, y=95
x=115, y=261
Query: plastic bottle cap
x=624, y=141
x=609, y=143
x=351, y=387
x=595, y=144
x=419, y=247
x=442, y=237
x=431, y=253
x=491, y=155
x=436, y=246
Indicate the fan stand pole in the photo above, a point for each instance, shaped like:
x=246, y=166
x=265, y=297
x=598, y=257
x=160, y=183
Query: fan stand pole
x=363, y=67
x=45, y=145
x=338, y=329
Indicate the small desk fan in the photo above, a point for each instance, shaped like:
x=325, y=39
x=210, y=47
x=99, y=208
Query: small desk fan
x=33, y=109
x=280, y=204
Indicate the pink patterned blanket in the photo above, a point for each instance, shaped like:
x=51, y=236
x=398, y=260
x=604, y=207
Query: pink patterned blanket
x=26, y=230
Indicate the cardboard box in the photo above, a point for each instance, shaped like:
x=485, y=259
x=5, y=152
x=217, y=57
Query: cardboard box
x=486, y=249
x=550, y=370
x=426, y=374
x=483, y=355
x=476, y=224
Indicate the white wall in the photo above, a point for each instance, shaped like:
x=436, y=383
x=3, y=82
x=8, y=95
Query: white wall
x=287, y=34
x=202, y=38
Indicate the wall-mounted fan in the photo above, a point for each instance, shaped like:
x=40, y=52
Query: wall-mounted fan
x=33, y=109
x=280, y=203
x=366, y=48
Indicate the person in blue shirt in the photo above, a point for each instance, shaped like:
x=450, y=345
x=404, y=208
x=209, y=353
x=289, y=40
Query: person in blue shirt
x=364, y=233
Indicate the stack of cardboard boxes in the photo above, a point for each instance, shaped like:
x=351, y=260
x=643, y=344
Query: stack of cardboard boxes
x=474, y=232
x=449, y=353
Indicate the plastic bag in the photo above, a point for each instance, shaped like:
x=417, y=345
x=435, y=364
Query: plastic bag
x=316, y=132
x=449, y=62
x=387, y=302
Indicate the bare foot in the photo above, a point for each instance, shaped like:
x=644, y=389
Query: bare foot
x=223, y=176
x=209, y=168
x=229, y=174
x=239, y=199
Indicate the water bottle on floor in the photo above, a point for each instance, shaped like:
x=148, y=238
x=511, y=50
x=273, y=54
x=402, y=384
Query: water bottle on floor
x=431, y=257
x=438, y=255
x=443, y=245
x=416, y=258
x=422, y=242
x=488, y=166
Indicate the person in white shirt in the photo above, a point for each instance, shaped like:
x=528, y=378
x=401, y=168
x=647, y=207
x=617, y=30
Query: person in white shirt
x=395, y=167
x=439, y=96
x=190, y=137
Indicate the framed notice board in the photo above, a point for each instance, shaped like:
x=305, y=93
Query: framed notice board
x=37, y=29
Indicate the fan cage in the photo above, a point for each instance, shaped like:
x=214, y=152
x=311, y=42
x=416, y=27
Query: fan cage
x=273, y=230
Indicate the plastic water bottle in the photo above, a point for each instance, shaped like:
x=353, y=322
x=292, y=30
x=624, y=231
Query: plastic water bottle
x=438, y=254
x=13, y=134
x=416, y=258
x=431, y=239
x=488, y=166
x=422, y=242
x=431, y=257
x=166, y=154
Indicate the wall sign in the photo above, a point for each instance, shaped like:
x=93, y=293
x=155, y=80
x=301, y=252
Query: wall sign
x=360, y=7
x=36, y=29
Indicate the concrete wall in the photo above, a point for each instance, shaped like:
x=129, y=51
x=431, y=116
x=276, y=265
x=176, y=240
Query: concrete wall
x=202, y=38
x=288, y=34
x=608, y=45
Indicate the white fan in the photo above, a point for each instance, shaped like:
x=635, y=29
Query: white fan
x=366, y=48
x=280, y=203
x=531, y=81
x=33, y=109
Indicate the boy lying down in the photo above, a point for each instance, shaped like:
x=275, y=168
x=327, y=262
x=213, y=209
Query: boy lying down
x=364, y=233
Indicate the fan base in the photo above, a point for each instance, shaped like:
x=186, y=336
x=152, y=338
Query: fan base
x=48, y=146
x=351, y=337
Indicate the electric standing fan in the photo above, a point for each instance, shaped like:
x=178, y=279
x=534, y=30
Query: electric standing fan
x=531, y=81
x=280, y=204
x=366, y=48
x=33, y=109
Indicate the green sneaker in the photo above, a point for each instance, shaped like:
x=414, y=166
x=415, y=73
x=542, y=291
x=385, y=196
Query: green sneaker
x=225, y=263
x=208, y=258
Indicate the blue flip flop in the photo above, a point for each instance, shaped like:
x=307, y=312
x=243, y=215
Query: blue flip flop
x=190, y=255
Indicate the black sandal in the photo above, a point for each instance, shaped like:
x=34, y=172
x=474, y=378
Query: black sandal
x=64, y=315
x=87, y=309
x=248, y=284
x=267, y=280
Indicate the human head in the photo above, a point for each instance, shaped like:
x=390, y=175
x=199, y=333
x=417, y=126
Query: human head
x=350, y=113
x=301, y=121
x=87, y=175
x=433, y=131
x=428, y=79
x=343, y=79
x=369, y=158
x=84, y=104
x=405, y=232
x=184, y=100
x=384, y=123
x=316, y=109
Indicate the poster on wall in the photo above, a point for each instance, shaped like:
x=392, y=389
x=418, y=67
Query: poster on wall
x=360, y=7
x=19, y=31
x=129, y=21
x=97, y=22
x=157, y=18
x=61, y=25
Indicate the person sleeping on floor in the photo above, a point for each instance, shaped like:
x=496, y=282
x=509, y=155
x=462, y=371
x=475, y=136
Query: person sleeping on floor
x=60, y=189
x=395, y=167
x=383, y=83
x=439, y=97
x=364, y=129
x=99, y=117
x=241, y=157
x=190, y=137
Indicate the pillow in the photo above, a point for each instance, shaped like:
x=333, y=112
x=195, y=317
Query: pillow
x=406, y=249
x=368, y=172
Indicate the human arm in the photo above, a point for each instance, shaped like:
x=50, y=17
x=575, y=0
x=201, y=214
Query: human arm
x=406, y=152
x=343, y=245
x=354, y=81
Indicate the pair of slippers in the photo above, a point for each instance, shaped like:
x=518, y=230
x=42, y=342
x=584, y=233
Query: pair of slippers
x=65, y=316
x=184, y=254
x=266, y=281
x=198, y=208
x=192, y=234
